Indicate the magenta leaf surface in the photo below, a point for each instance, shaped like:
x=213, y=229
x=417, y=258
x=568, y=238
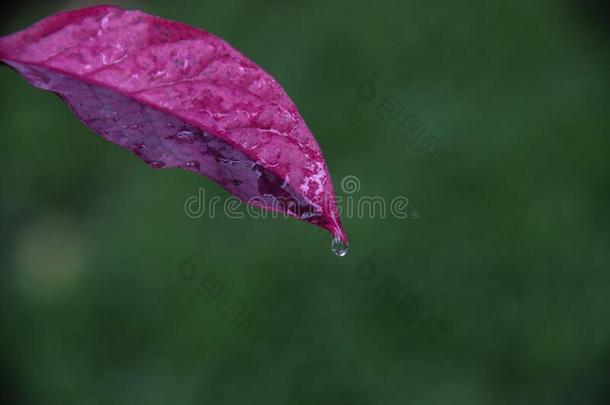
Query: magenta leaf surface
x=180, y=97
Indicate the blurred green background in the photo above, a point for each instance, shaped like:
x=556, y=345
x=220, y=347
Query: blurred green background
x=506, y=246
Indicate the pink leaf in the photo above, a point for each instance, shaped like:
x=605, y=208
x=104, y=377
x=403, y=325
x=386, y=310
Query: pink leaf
x=177, y=96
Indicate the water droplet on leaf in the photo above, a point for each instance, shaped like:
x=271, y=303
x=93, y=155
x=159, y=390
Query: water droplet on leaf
x=185, y=135
x=157, y=164
x=193, y=164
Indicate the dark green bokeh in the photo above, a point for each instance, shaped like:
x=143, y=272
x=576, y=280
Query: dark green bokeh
x=510, y=252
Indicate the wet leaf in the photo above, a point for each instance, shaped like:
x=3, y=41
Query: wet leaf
x=180, y=97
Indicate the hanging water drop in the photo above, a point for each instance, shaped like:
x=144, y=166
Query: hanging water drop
x=339, y=247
